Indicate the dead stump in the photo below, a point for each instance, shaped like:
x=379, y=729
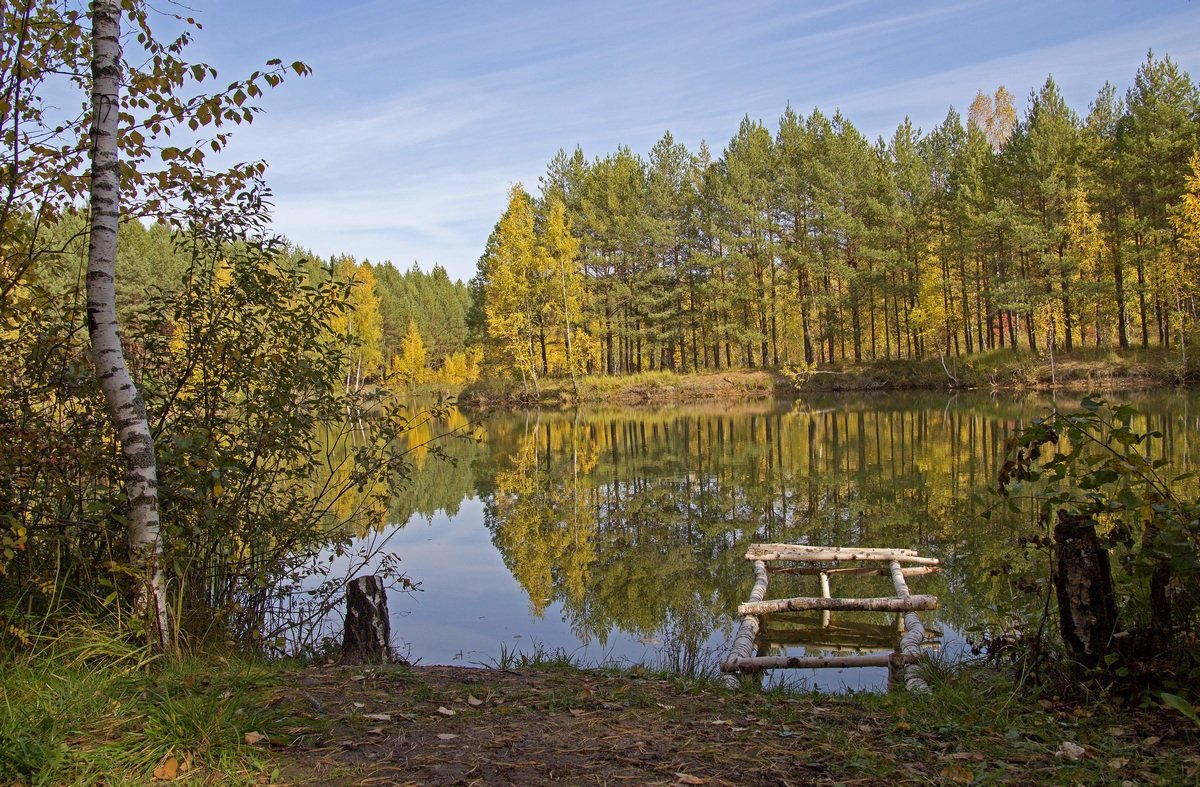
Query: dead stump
x=1087, y=609
x=367, y=638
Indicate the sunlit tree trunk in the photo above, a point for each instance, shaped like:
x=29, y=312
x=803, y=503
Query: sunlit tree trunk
x=124, y=402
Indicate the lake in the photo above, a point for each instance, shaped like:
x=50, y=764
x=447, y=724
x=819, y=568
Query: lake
x=618, y=535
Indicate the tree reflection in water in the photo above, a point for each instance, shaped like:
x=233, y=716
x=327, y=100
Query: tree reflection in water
x=636, y=521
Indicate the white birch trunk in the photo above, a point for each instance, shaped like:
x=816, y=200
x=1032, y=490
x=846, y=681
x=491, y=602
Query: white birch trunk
x=914, y=636
x=854, y=571
x=124, y=401
x=567, y=323
x=743, y=643
x=759, y=663
x=807, y=604
x=795, y=552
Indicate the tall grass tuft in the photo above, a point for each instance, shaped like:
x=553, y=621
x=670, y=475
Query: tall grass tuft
x=84, y=706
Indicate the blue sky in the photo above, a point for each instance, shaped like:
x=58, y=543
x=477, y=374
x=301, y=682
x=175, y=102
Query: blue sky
x=419, y=115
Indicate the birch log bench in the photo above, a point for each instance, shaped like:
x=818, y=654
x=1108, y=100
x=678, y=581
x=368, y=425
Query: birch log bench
x=825, y=563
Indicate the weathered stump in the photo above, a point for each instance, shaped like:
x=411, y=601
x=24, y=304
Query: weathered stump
x=1087, y=609
x=367, y=638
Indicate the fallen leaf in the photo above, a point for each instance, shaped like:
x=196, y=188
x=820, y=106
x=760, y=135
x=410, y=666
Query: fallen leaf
x=720, y=721
x=254, y=737
x=167, y=770
x=576, y=712
x=446, y=736
x=1117, y=763
x=687, y=778
x=445, y=711
x=378, y=716
x=1151, y=741
x=360, y=705
x=1071, y=751
x=474, y=701
x=958, y=773
x=375, y=731
x=903, y=726
x=665, y=707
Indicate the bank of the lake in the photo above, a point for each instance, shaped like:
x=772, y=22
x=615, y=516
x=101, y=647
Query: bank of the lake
x=89, y=711
x=1000, y=370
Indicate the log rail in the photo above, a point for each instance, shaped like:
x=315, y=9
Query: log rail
x=901, y=663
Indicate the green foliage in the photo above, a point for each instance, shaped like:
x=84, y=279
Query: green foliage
x=1098, y=463
x=1177, y=703
x=244, y=382
x=81, y=707
x=251, y=360
x=262, y=468
x=436, y=305
x=1033, y=234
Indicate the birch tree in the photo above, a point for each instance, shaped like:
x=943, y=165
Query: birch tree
x=137, y=151
x=125, y=404
x=511, y=294
x=560, y=250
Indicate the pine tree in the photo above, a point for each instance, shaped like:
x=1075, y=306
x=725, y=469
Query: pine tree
x=1157, y=135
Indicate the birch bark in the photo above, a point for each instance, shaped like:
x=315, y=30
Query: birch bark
x=125, y=404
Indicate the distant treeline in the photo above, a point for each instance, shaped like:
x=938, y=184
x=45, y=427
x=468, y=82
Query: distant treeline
x=387, y=306
x=1052, y=229
x=1049, y=229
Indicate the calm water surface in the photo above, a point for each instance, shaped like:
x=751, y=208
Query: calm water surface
x=619, y=535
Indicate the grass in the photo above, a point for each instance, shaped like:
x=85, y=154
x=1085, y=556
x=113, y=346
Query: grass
x=541, y=657
x=88, y=707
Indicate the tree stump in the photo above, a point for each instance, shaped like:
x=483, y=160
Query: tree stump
x=368, y=633
x=1087, y=610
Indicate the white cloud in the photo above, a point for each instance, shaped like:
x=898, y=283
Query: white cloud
x=419, y=116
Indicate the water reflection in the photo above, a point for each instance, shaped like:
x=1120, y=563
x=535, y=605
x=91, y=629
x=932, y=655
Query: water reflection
x=606, y=532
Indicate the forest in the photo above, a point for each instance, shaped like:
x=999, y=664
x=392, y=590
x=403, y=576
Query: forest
x=806, y=246
x=810, y=244
x=199, y=418
x=1037, y=232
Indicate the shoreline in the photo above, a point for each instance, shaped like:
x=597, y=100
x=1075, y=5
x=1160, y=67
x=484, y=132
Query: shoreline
x=1076, y=372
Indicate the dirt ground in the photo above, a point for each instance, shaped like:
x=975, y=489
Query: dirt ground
x=456, y=726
